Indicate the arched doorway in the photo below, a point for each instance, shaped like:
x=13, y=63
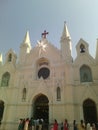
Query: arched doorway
x=89, y=110
x=41, y=108
x=1, y=110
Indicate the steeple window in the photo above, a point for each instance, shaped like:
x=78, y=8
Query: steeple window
x=10, y=58
x=82, y=48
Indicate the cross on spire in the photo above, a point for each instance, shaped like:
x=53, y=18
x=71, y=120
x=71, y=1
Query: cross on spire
x=44, y=34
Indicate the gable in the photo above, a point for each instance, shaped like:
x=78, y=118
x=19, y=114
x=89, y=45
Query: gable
x=82, y=47
x=84, y=59
x=83, y=56
x=50, y=52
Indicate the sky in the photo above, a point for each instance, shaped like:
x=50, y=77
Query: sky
x=35, y=16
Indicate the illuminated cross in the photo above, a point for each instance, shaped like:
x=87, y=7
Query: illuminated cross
x=42, y=47
x=44, y=34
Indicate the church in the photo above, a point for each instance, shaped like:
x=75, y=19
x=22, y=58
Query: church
x=45, y=82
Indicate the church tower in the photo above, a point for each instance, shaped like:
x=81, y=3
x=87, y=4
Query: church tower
x=66, y=45
x=11, y=57
x=24, y=48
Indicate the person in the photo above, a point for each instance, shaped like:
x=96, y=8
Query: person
x=55, y=125
x=74, y=125
x=81, y=125
x=62, y=126
x=35, y=124
x=93, y=126
x=20, y=126
x=66, y=125
x=88, y=126
x=31, y=124
x=26, y=125
x=40, y=124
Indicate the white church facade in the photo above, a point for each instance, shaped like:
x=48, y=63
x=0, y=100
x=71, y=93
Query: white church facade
x=45, y=82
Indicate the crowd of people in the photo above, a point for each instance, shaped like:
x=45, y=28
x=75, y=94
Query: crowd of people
x=30, y=124
x=75, y=126
x=84, y=126
x=39, y=124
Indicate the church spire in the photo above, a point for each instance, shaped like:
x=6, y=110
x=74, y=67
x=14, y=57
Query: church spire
x=25, y=48
x=66, y=46
x=65, y=33
x=27, y=39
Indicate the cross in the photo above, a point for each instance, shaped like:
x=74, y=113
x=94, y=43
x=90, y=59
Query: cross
x=44, y=34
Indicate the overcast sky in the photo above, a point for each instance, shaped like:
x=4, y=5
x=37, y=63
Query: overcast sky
x=18, y=16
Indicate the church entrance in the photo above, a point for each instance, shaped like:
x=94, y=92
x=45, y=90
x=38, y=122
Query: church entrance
x=1, y=110
x=41, y=108
x=90, y=112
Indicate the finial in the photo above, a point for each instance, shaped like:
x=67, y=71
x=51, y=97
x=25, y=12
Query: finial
x=26, y=38
x=64, y=22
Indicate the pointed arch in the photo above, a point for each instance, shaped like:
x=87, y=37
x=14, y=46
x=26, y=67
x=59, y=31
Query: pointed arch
x=89, y=111
x=5, y=79
x=85, y=74
x=41, y=107
x=58, y=93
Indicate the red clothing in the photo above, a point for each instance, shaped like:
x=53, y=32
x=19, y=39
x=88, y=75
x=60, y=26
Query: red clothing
x=55, y=126
x=65, y=126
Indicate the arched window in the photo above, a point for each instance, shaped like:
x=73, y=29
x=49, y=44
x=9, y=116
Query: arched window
x=10, y=57
x=1, y=110
x=58, y=93
x=5, y=79
x=24, y=94
x=82, y=48
x=85, y=74
x=43, y=68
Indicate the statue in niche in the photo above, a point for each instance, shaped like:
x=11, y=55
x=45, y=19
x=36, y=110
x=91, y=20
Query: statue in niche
x=24, y=94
